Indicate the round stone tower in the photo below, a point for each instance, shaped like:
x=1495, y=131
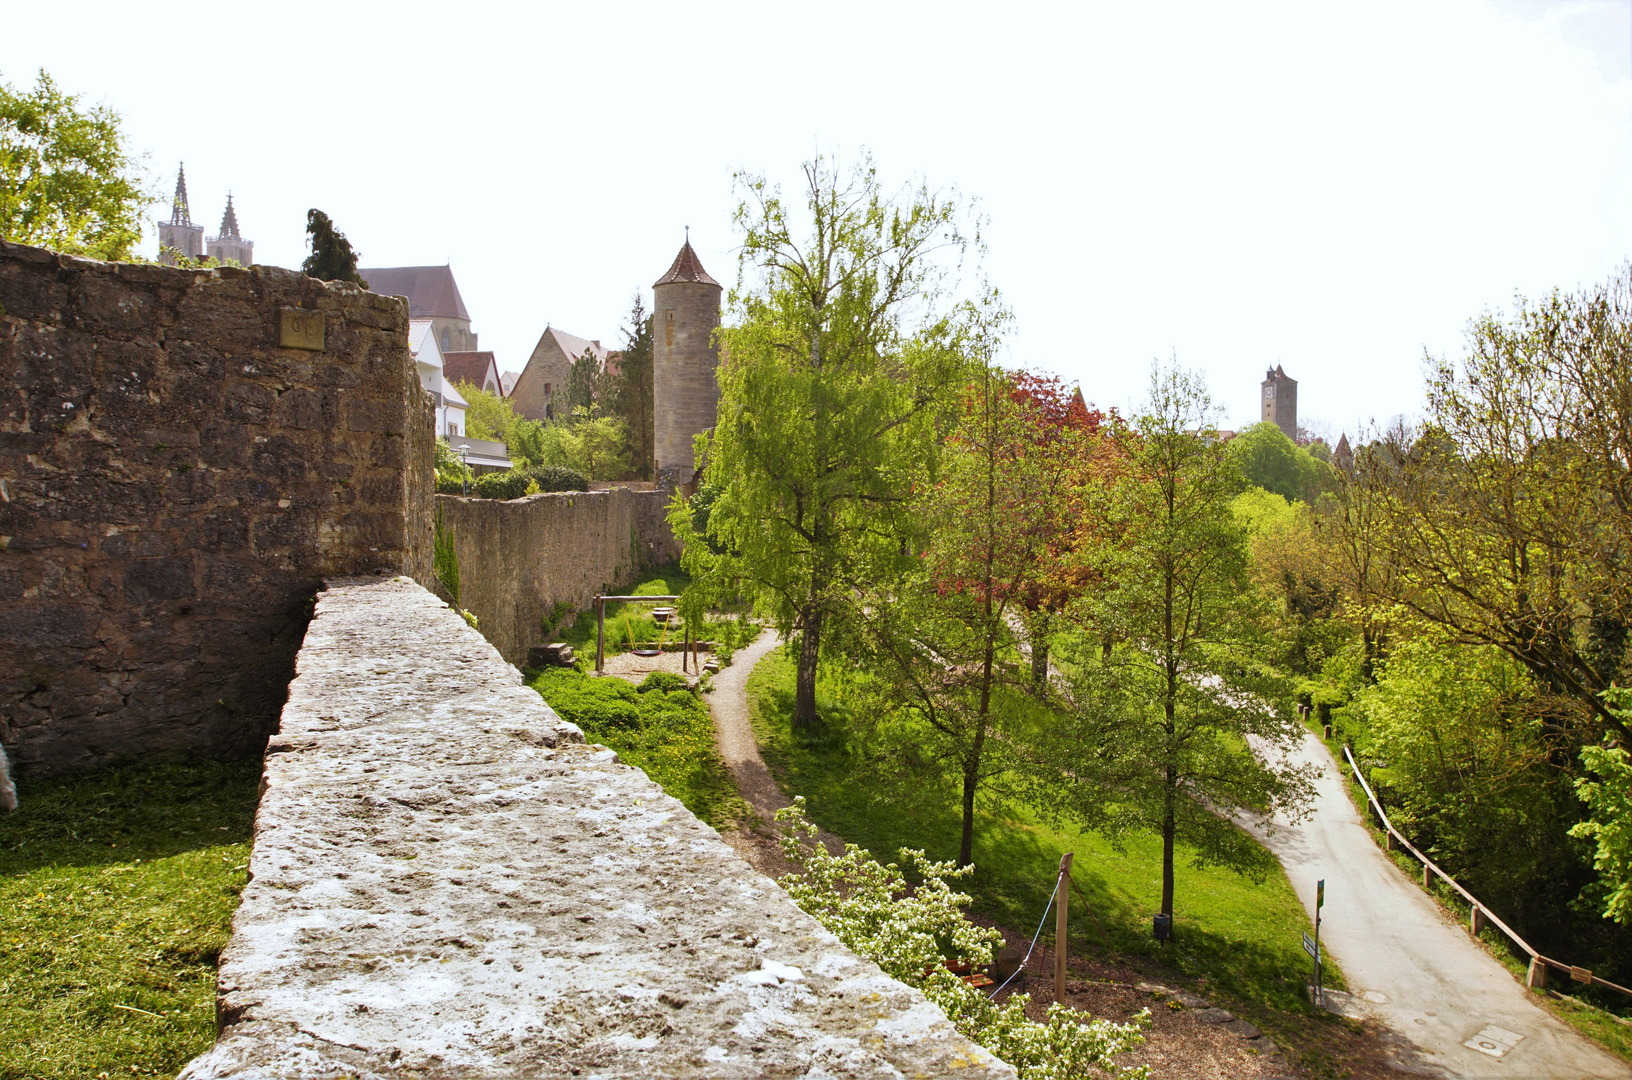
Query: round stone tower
x=685, y=391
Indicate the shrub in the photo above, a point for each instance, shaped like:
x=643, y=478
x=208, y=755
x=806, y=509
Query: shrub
x=664, y=681
x=558, y=478
x=902, y=929
x=449, y=485
x=505, y=485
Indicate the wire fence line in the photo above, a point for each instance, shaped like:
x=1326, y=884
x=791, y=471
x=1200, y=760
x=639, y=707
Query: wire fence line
x=1479, y=915
x=1035, y=935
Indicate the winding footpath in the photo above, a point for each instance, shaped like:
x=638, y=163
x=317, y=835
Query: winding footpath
x=1453, y=1009
x=755, y=839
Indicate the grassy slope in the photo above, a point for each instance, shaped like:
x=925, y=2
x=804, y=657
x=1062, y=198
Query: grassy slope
x=116, y=889
x=1243, y=937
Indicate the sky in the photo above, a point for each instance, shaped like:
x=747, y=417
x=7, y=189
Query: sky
x=1333, y=187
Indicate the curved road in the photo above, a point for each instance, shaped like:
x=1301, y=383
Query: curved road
x=1411, y=967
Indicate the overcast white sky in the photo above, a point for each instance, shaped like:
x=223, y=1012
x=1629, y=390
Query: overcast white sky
x=1330, y=186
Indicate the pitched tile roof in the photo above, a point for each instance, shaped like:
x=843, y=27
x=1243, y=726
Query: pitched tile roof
x=471, y=367
x=687, y=267
x=431, y=290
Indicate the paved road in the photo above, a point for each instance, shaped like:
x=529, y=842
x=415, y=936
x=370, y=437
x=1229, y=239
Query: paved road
x=1414, y=969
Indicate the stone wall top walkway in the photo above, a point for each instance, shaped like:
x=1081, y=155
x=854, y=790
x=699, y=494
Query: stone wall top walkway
x=447, y=882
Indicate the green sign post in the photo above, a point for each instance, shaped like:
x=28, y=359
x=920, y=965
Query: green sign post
x=1320, y=902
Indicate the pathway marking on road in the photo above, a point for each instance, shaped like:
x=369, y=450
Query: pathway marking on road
x=1493, y=1040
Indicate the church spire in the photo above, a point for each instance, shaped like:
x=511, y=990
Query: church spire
x=229, y=221
x=178, y=208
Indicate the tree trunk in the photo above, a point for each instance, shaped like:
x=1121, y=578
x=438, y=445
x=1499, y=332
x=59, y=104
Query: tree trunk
x=966, y=847
x=1039, y=653
x=1168, y=829
x=805, y=718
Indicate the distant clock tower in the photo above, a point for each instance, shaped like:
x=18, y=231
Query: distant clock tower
x=1281, y=402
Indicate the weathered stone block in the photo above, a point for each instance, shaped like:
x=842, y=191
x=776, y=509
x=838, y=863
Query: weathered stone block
x=447, y=882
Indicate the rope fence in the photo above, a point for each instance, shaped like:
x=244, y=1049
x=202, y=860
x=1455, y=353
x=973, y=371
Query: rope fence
x=1479, y=914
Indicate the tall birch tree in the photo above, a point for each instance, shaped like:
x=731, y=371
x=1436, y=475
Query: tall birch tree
x=841, y=356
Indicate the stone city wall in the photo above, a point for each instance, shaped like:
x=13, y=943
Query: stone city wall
x=185, y=455
x=447, y=882
x=518, y=559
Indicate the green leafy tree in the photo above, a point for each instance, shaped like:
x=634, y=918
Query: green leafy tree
x=1608, y=794
x=1268, y=459
x=67, y=181
x=632, y=392
x=836, y=378
x=943, y=643
x=332, y=258
x=1507, y=519
x=589, y=387
x=1170, y=688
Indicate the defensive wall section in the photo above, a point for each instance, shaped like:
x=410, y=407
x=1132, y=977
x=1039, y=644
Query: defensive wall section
x=185, y=455
x=519, y=559
x=447, y=882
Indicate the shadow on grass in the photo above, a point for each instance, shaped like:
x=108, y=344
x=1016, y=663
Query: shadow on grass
x=129, y=811
x=1240, y=936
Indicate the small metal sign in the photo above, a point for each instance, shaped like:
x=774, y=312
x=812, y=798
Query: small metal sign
x=1320, y=894
x=1310, y=947
x=300, y=329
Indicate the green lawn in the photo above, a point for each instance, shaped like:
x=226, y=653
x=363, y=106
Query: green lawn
x=116, y=889
x=660, y=727
x=1244, y=938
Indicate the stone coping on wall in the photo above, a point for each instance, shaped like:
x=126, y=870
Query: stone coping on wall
x=447, y=882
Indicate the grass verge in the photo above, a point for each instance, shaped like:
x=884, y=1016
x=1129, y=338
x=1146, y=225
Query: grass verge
x=660, y=727
x=1233, y=934
x=116, y=890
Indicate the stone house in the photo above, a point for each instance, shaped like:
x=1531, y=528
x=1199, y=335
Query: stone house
x=542, y=385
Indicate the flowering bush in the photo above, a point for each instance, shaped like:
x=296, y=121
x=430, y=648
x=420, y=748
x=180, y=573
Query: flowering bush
x=907, y=932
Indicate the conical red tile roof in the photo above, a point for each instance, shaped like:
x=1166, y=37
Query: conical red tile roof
x=687, y=267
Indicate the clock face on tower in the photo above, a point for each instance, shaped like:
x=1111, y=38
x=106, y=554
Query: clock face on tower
x=1269, y=393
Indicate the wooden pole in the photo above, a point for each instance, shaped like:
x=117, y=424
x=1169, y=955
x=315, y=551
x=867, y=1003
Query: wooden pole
x=685, y=644
x=1063, y=889
x=600, y=635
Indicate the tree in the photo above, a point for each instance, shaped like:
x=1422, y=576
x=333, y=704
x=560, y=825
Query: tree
x=833, y=385
x=943, y=643
x=1508, y=520
x=1169, y=685
x=67, y=182
x=1266, y=457
x=332, y=258
x=632, y=393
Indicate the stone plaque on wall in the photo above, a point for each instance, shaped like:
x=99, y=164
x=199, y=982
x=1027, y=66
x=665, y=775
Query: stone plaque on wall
x=299, y=329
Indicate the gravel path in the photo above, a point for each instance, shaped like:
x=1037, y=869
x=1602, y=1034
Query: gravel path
x=756, y=838
x=1411, y=967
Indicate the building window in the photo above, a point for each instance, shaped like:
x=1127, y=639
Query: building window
x=668, y=327
x=453, y=430
x=447, y=339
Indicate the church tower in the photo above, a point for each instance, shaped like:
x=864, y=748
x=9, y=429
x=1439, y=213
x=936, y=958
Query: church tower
x=1281, y=402
x=179, y=236
x=685, y=390
x=229, y=246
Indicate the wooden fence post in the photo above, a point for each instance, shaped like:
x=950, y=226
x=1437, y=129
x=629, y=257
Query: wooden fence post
x=1476, y=920
x=600, y=634
x=1064, y=888
x=1426, y=879
x=1536, y=979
